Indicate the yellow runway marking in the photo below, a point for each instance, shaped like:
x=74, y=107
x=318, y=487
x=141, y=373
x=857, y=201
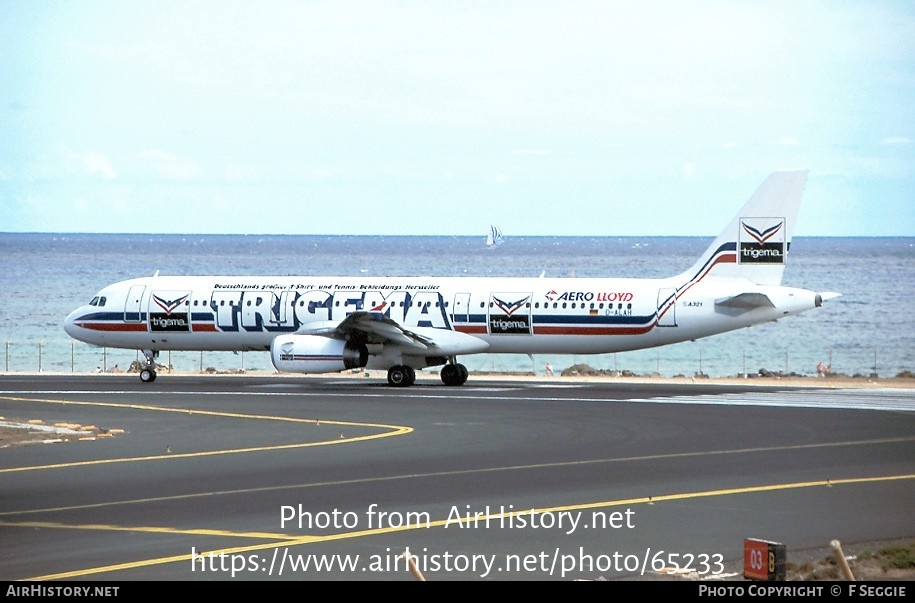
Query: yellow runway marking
x=304, y=540
x=393, y=430
x=147, y=529
x=482, y=470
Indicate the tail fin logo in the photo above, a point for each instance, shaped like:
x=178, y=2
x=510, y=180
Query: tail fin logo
x=762, y=241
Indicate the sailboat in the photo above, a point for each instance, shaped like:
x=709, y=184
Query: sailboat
x=494, y=237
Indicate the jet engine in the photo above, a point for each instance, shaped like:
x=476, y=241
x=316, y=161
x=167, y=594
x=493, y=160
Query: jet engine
x=316, y=354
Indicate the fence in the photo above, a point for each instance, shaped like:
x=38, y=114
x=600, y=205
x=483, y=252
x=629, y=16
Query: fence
x=75, y=357
x=68, y=356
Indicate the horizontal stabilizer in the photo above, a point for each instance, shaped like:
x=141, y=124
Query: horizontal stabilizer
x=746, y=301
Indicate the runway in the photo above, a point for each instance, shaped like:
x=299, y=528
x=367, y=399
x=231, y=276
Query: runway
x=275, y=478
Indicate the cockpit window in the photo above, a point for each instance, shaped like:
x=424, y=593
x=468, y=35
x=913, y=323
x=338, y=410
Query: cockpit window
x=98, y=300
x=94, y=301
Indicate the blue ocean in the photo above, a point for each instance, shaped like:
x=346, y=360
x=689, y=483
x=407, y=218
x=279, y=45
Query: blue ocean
x=870, y=329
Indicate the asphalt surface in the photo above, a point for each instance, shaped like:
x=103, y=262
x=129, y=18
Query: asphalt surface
x=276, y=478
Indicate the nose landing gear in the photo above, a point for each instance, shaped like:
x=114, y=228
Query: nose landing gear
x=148, y=372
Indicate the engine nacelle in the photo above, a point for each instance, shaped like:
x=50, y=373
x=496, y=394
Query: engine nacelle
x=316, y=354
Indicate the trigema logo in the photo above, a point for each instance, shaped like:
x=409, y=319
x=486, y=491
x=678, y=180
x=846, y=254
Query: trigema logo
x=172, y=314
x=511, y=321
x=762, y=241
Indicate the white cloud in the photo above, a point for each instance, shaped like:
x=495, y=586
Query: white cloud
x=169, y=166
x=239, y=173
x=96, y=164
x=322, y=173
x=531, y=152
x=896, y=140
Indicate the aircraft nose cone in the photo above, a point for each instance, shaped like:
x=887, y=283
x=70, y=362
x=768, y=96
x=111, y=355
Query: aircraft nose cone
x=70, y=327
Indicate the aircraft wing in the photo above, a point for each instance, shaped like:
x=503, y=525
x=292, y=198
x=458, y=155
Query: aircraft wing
x=376, y=328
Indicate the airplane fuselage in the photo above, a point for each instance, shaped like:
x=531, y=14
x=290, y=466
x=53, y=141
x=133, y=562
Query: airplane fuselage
x=512, y=315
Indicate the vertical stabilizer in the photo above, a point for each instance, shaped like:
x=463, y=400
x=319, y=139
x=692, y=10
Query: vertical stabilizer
x=755, y=244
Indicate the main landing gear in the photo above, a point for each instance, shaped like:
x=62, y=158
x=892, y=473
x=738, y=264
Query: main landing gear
x=454, y=374
x=404, y=376
x=148, y=372
x=401, y=376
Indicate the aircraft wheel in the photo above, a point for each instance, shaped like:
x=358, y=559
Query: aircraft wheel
x=401, y=376
x=464, y=373
x=448, y=374
x=147, y=375
x=454, y=374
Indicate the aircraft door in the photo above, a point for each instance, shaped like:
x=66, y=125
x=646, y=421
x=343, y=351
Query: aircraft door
x=132, y=303
x=461, y=312
x=667, y=307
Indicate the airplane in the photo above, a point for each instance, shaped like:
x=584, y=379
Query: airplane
x=404, y=324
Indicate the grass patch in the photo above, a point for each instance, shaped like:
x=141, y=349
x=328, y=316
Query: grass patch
x=899, y=557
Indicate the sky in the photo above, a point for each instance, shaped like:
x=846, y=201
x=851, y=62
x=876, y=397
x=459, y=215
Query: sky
x=440, y=118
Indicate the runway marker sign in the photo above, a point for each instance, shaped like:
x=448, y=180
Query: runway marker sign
x=763, y=560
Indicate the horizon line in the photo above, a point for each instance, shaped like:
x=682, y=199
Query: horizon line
x=473, y=236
